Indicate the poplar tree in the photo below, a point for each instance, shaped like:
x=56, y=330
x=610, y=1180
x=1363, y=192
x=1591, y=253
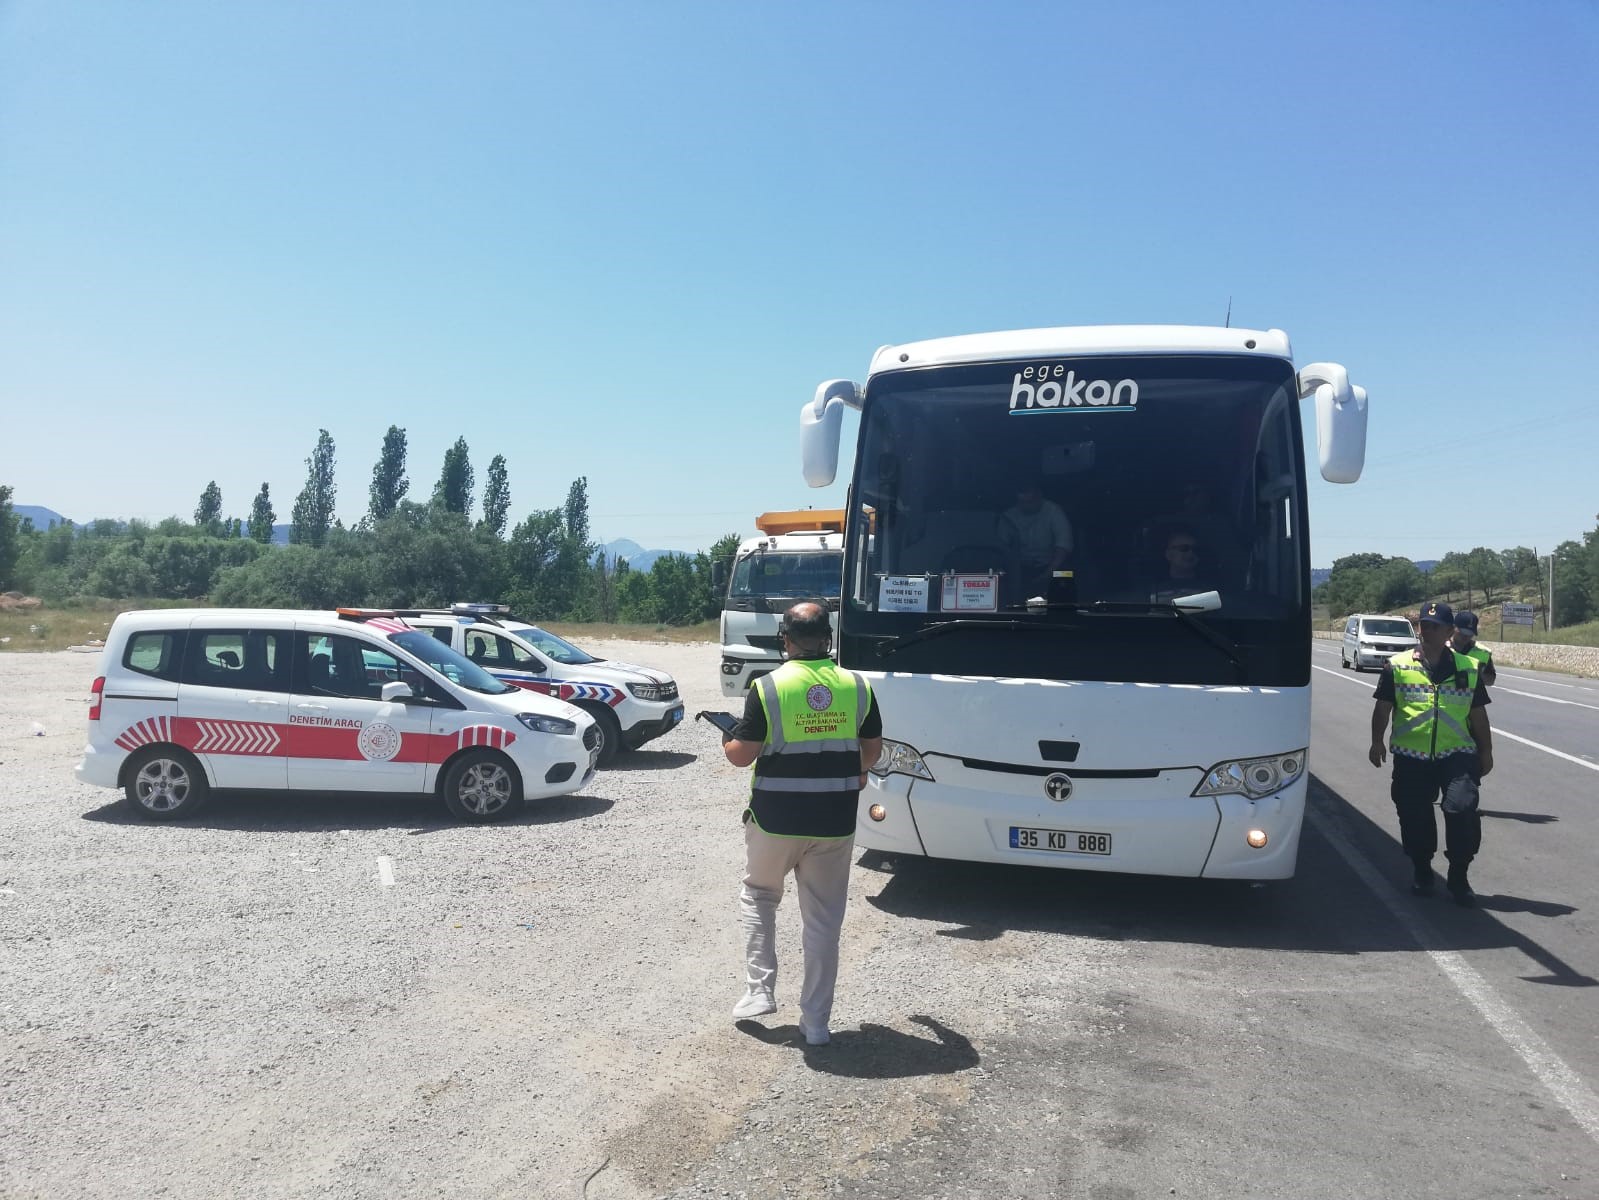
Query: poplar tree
x=389, y=483
x=261, y=517
x=496, y=497
x=208, y=513
x=313, y=508
x=453, y=493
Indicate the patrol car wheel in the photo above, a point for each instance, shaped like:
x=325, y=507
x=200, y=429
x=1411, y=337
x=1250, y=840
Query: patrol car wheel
x=163, y=783
x=482, y=786
x=610, y=731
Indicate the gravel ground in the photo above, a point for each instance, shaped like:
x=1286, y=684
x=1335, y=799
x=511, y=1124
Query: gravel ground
x=235, y=1005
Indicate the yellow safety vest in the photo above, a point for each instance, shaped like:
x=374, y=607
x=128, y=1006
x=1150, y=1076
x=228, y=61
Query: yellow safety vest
x=1431, y=720
x=807, y=780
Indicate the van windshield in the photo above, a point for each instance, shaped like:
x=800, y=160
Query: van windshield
x=1394, y=628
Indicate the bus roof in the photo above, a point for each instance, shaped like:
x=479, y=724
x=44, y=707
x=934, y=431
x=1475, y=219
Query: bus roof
x=1068, y=340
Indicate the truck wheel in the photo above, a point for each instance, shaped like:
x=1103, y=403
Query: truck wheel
x=610, y=731
x=481, y=786
x=164, y=783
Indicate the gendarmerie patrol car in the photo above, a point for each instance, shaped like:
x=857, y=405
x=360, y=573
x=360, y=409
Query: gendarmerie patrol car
x=354, y=700
x=630, y=705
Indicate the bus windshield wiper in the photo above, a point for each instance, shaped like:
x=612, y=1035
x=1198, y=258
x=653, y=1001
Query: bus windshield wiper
x=1158, y=608
x=890, y=646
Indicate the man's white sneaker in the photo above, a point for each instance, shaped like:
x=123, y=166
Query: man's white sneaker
x=754, y=1004
x=816, y=1037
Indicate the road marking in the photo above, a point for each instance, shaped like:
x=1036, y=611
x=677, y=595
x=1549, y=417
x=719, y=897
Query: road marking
x=385, y=871
x=1498, y=732
x=1548, y=699
x=1546, y=682
x=1575, y=1096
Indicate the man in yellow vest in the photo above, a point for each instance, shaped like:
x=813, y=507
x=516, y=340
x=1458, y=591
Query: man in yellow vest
x=811, y=730
x=1442, y=747
x=1464, y=642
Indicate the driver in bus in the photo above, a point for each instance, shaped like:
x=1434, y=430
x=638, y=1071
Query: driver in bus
x=1186, y=573
x=1037, y=533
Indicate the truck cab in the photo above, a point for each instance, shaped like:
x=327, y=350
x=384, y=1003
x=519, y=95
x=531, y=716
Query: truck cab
x=799, y=555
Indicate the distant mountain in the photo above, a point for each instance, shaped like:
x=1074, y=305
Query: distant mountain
x=42, y=518
x=638, y=558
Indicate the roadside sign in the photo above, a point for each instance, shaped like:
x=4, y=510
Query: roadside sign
x=1516, y=614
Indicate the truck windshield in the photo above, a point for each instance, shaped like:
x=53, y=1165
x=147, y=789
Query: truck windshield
x=781, y=573
x=1094, y=488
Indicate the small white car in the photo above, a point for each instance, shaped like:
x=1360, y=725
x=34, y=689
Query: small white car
x=630, y=705
x=1371, y=640
x=188, y=700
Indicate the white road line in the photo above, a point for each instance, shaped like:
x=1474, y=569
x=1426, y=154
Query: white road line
x=1498, y=732
x=385, y=871
x=1577, y=687
x=1581, y=762
x=1575, y=1096
x=1547, y=699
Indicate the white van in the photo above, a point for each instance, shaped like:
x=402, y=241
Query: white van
x=630, y=705
x=1371, y=640
x=188, y=700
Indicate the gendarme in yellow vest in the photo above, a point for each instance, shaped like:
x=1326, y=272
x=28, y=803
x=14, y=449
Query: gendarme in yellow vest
x=808, y=777
x=1431, y=720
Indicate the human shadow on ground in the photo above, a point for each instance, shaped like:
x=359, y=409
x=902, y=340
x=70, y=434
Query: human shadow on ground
x=1527, y=818
x=876, y=1051
x=1326, y=908
x=323, y=812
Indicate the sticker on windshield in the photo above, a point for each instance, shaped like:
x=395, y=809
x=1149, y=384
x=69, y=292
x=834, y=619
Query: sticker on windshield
x=902, y=593
x=971, y=593
x=1057, y=388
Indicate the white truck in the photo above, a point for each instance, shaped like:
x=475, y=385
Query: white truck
x=798, y=556
x=1128, y=690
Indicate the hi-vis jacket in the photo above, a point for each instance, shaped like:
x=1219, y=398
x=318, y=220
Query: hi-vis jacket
x=807, y=779
x=1430, y=720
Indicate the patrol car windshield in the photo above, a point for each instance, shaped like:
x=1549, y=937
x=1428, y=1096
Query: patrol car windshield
x=1102, y=489
x=1393, y=629
x=552, y=647
x=462, y=672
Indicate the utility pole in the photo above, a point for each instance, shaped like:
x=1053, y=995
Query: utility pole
x=1549, y=613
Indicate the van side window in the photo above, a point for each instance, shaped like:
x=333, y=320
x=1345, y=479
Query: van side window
x=334, y=665
x=155, y=652
x=252, y=659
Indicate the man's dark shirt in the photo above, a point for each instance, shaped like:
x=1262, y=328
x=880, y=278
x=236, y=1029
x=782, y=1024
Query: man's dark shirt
x=752, y=726
x=1443, y=671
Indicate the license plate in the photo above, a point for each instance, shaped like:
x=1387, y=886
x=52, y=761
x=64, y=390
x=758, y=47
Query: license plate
x=675, y=715
x=1062, y=841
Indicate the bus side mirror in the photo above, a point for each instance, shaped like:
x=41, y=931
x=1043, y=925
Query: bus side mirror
x=1341, y=411
x=820, y=424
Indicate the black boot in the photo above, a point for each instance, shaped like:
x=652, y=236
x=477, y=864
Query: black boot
x=1458, y=885
x=1421, y=881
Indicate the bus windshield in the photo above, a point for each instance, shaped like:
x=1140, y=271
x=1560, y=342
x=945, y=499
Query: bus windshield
x=1100, y=489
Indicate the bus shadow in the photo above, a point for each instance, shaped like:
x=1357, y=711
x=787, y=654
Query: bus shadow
x=1325, y=909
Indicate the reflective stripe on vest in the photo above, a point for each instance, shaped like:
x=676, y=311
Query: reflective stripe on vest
x=1478, y=655
x=807, y=777
x=1432, y=720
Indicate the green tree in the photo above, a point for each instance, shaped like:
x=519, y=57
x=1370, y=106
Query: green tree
x=262, y=516
x=313, y=508
x=389, y=483
x=1521, y=567
x=453, y=492
x=1574, y=592
x=10, y=537
x=208, y=513
x=1485, y=571
x=496, y=497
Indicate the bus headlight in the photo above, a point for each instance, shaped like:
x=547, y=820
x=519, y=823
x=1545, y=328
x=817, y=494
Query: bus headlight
x=899, y=759
x=1254, y=777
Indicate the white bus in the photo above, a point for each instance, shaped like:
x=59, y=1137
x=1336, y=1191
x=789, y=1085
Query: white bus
x=1138, y=700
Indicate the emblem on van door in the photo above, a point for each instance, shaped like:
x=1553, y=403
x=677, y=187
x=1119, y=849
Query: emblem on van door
x=379, y=742
x=1058, y=787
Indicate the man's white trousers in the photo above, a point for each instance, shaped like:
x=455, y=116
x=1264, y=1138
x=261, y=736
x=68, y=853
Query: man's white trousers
x=821, y=876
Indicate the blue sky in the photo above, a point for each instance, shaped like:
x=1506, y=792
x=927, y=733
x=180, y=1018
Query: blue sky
x=627, y=240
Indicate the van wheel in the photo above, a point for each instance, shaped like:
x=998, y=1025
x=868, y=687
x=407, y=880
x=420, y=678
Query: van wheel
x=1343, y=659
x=610, y=731
x=482, y=786
x=164, y=783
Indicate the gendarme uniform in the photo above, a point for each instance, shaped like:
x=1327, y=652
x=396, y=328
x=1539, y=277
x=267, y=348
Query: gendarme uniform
x=1484, y=658
x=810, y=717
x=1435, y=755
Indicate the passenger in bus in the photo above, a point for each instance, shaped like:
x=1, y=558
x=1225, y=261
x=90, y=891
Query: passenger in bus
x=1037, y=534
